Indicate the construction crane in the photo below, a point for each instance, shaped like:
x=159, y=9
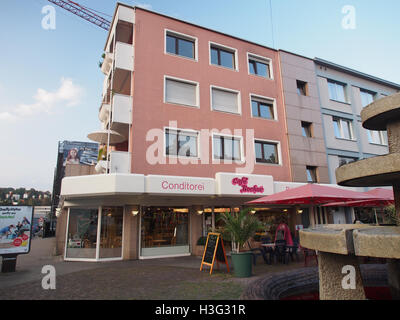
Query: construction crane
x=83, y=12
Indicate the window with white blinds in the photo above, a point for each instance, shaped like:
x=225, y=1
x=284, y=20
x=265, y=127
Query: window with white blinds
x=181, y=92
x=224, y=100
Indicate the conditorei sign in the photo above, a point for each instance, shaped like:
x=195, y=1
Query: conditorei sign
x=245, y=185
x=180, y=185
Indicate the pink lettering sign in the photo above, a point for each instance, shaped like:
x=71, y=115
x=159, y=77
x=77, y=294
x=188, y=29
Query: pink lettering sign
x=243, y=183
x=183, y=186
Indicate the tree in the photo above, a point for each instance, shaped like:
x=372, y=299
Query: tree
x=241, y=226
x=390, y=213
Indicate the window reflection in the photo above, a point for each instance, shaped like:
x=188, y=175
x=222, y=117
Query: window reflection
x=111, y=232
x=82, y=233
x=164, y=227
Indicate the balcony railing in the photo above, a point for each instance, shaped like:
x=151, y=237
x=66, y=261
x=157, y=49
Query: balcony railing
x=120, y=162
x=123, y=56
x=122, y=109
x=107, y=63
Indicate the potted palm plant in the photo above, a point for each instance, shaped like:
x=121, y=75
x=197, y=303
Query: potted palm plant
x=241, y=226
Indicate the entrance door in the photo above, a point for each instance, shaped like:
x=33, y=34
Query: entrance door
x=94, y=234
x=164, y=231
x=305, y=218
x=347, y=212
x=111, y=232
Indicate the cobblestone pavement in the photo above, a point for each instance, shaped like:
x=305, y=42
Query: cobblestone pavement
x=170, y=279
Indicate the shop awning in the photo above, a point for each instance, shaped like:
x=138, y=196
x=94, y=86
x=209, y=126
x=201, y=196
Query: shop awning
x=385, y=197
x=312, y=194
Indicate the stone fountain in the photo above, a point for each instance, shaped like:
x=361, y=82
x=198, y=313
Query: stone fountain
x=340, y=246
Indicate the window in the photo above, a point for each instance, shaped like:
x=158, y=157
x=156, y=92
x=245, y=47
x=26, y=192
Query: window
x=224, y=100
x=336, y=91
x=346, y=160
x=181, y=92
x=180, y=45
x=306, y=129
x=82, y=237
x=343, y=128
x=301, y=88
x=367, y=97
x=82, y=233
x=222, y=57
x=259, y=66
x=266, y=152
x=164, y=229
x=377, y=137
x=262, y=108
x=111, y=232
x=181, y=143
x=311, y=174
x=227, y=148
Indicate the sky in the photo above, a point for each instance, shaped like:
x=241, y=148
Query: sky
x=50, y=82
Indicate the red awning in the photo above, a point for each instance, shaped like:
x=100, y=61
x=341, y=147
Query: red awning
x=312, y=194
x=385, y=197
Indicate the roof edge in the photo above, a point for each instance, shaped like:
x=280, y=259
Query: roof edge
x=350, y=71
x=183, y=21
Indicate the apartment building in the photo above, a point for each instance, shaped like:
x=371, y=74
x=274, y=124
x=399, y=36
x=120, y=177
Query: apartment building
x=343, y=94
x=195, y=124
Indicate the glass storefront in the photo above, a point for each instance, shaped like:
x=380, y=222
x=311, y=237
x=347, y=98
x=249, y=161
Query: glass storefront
x=83, y=238
x=111, y=232
x=212, y=221
x=82, y=233
x=164, y=231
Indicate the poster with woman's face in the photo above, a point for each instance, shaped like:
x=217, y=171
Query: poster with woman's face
x=73, y=156
x=79, y=153
x=15, y=229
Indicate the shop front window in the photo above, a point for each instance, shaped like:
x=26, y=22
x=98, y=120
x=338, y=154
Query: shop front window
x=111, y=232
x=82, y=233
x=164, y=227
x=212, y=221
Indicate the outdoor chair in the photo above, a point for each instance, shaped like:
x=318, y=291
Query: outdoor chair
x=309, y=254
x=266, y=239
x=293, y=250
x=256, y=252
x=281, y=252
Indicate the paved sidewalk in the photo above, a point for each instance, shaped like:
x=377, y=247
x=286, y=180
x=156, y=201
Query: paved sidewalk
x=167, y=278
x=29, y=266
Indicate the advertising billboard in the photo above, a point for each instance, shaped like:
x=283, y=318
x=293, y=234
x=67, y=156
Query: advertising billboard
x=75, y=152
x=15, y=229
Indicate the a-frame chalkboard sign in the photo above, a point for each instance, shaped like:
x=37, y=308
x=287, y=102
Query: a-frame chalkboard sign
x=214, y=250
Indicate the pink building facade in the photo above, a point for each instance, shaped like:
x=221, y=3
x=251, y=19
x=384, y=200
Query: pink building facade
x=155, y=67
x=193, y=124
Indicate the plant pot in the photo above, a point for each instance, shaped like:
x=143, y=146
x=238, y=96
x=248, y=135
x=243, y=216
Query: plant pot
x=242, y=264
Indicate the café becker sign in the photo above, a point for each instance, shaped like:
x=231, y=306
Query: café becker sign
x=244, y=184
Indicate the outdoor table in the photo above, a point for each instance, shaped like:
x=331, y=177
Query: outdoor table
x=272, y=246
x=268, y=245
x=75, y=243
